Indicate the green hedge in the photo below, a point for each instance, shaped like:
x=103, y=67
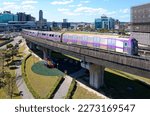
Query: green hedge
x=23, y=67
x=71, y=90
x=55, y=87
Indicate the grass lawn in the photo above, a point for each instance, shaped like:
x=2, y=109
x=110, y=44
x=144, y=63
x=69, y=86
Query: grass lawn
x=1, y=41
x=40, y=83
x=119, y=84
x=3, y=94
x=82, y=93
x=129, y=76
x=21, y=50
x=41, y=69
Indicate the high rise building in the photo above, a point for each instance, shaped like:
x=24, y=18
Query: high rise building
x=21, y=16
x=65, y=21
x=65, y=24
x=40, y=15
x=7, y=16
x=105, y=23
x=140, y=27
x=29, y=18
x=42, y=23
x=98, y=23
x=25, y=17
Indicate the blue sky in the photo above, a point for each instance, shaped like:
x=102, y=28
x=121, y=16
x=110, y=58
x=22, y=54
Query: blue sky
x=73, y=10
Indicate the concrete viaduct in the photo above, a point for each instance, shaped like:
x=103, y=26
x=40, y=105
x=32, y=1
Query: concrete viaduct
x=95, y=60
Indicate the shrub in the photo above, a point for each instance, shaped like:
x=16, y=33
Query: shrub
x=55, y=87
x=71, y=90
x=23, y=67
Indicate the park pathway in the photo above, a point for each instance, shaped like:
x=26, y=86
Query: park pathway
x=22, y=86
x=20, y=81
x=62, y=91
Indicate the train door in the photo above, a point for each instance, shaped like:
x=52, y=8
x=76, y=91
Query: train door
x=126, y=48
x=119, y=46
x=111, y=43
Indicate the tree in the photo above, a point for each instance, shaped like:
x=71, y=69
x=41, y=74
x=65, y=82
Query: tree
x=103, y=30
x=88, y=28
x=56, y=29
x=11, y=53
x=10, y=84
x=14, y=52
x=9, y=46
x=7, y=56
x=2, y=65
x=20, y=41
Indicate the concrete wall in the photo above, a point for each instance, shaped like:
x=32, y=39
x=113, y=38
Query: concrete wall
x=143, y=38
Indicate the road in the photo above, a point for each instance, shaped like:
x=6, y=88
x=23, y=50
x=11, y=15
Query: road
x=16, y=39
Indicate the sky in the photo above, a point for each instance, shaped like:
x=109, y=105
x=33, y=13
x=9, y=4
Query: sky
x=73, y=10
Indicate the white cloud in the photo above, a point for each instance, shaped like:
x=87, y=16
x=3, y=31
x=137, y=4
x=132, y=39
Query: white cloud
x=90, y=10
x=85, y=1
x=125, y=11
x=71, y=13
x=8, y=3
x=14, y=7
x=29, y=2
x=63, y=9
x=28, y=7
x=78, y=5
x=124, y=16
x=66, y=11
x=63, y=2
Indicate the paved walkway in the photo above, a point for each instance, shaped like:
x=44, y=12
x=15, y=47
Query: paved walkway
x=20, y=81
x=22, y=85
x=62, y=91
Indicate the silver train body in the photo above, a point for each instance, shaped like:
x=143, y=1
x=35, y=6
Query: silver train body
x=106, y=42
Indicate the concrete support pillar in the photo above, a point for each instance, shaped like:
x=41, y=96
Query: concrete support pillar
x=96, y=75
x=34, y=46
x=49, y=52
x=30, y=45
x=45, y=53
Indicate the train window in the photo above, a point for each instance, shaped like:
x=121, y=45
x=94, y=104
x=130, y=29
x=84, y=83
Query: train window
x=42, y=33
x=125, y=44
x=52, y=35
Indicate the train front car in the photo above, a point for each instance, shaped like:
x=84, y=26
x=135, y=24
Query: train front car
x=128, y=45
x=134, y=46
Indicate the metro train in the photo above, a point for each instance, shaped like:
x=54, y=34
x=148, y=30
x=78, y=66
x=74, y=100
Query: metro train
x=106, y=42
